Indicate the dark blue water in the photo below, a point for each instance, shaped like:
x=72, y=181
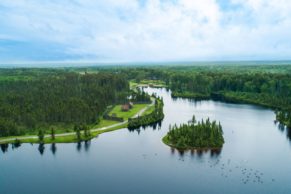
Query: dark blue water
x=256, y=158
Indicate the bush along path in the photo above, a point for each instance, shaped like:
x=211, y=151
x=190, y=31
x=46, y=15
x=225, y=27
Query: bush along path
x=154, y=117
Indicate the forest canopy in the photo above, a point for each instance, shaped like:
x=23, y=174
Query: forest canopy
x=266, y=85
x=56, y=97
x=33, y=98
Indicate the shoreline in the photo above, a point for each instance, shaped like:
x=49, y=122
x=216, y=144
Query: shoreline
x=224, y=98
x=70, y=137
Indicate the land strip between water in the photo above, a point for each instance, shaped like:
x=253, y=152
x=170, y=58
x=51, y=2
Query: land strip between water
x=71, y=136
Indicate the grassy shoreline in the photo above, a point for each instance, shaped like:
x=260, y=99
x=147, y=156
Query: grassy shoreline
x=61, y=139
x=103, y=126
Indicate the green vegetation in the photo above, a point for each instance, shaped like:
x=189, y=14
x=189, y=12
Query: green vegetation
x=55, y=98
x=284, y=117
x=267, y=90
x=147, y=83
x=155, y=116
x=265, y=85
x=195, y=135
x=127, y=114
x=53, y=135
x=40, y=136
x=149, y=110
x=270, y=90
x=81, y=132
x=104, y=123
x=68, y=138
x=139, y=96
x=197, y=96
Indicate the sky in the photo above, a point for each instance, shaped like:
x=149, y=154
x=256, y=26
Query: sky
x=144, y=30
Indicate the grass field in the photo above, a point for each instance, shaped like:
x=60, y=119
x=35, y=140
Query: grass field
x=128, y=114
x=104, y=123
x=154, y=83
x=69, y=138
x=149, y=110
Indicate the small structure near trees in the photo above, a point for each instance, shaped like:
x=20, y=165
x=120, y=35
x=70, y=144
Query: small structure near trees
x=127, y=106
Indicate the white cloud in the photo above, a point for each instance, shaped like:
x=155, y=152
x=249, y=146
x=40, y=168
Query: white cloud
x=159, y=30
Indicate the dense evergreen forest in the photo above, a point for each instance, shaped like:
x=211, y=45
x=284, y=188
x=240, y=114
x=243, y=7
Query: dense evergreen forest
x=268, y=85
x=31, y=99
x=34, y=98
x=270, y=90
x=204, y=134
x=140, y=96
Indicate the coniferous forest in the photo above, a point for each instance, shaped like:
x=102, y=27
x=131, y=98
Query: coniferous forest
x=32, y=99
x=204, y=134
x=265, y=85
x=38, y=98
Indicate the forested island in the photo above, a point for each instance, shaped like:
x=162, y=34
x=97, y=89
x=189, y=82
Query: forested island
x=195, y=135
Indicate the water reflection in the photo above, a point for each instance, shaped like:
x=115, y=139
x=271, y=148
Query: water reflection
x=286, y=130
x=79, y=146
x=41, y=148
x=214, y=153
x=4, y=147
x=16, y=145
x=87, y=145
x=281, y=127
x=53, y=148
x=154, y=126
x=288, y=133
x=197, y=153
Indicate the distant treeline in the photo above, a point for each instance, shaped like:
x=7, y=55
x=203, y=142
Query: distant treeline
x=268, y=85
x=270, y=90
x=55, y=97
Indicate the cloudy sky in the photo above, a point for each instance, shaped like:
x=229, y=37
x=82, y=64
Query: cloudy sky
x=144, y=30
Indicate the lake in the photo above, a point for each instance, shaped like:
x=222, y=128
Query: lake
x=256, y=157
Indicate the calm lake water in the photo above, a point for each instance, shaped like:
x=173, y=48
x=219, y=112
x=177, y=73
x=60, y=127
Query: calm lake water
x=256, y=158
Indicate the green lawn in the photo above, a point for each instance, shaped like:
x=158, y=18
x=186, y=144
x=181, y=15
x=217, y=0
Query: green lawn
x=155, y=83
x=104, y=123
x=149, y=110
x=132, y=84
x=70, y=138
x=128, y=114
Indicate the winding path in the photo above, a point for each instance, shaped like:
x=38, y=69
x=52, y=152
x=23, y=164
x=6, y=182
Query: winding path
x=73, y=133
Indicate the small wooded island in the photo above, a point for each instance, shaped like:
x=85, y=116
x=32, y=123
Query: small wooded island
x=195, y=135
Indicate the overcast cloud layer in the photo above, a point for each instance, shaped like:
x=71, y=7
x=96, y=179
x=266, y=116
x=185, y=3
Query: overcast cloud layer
x=144, y=30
